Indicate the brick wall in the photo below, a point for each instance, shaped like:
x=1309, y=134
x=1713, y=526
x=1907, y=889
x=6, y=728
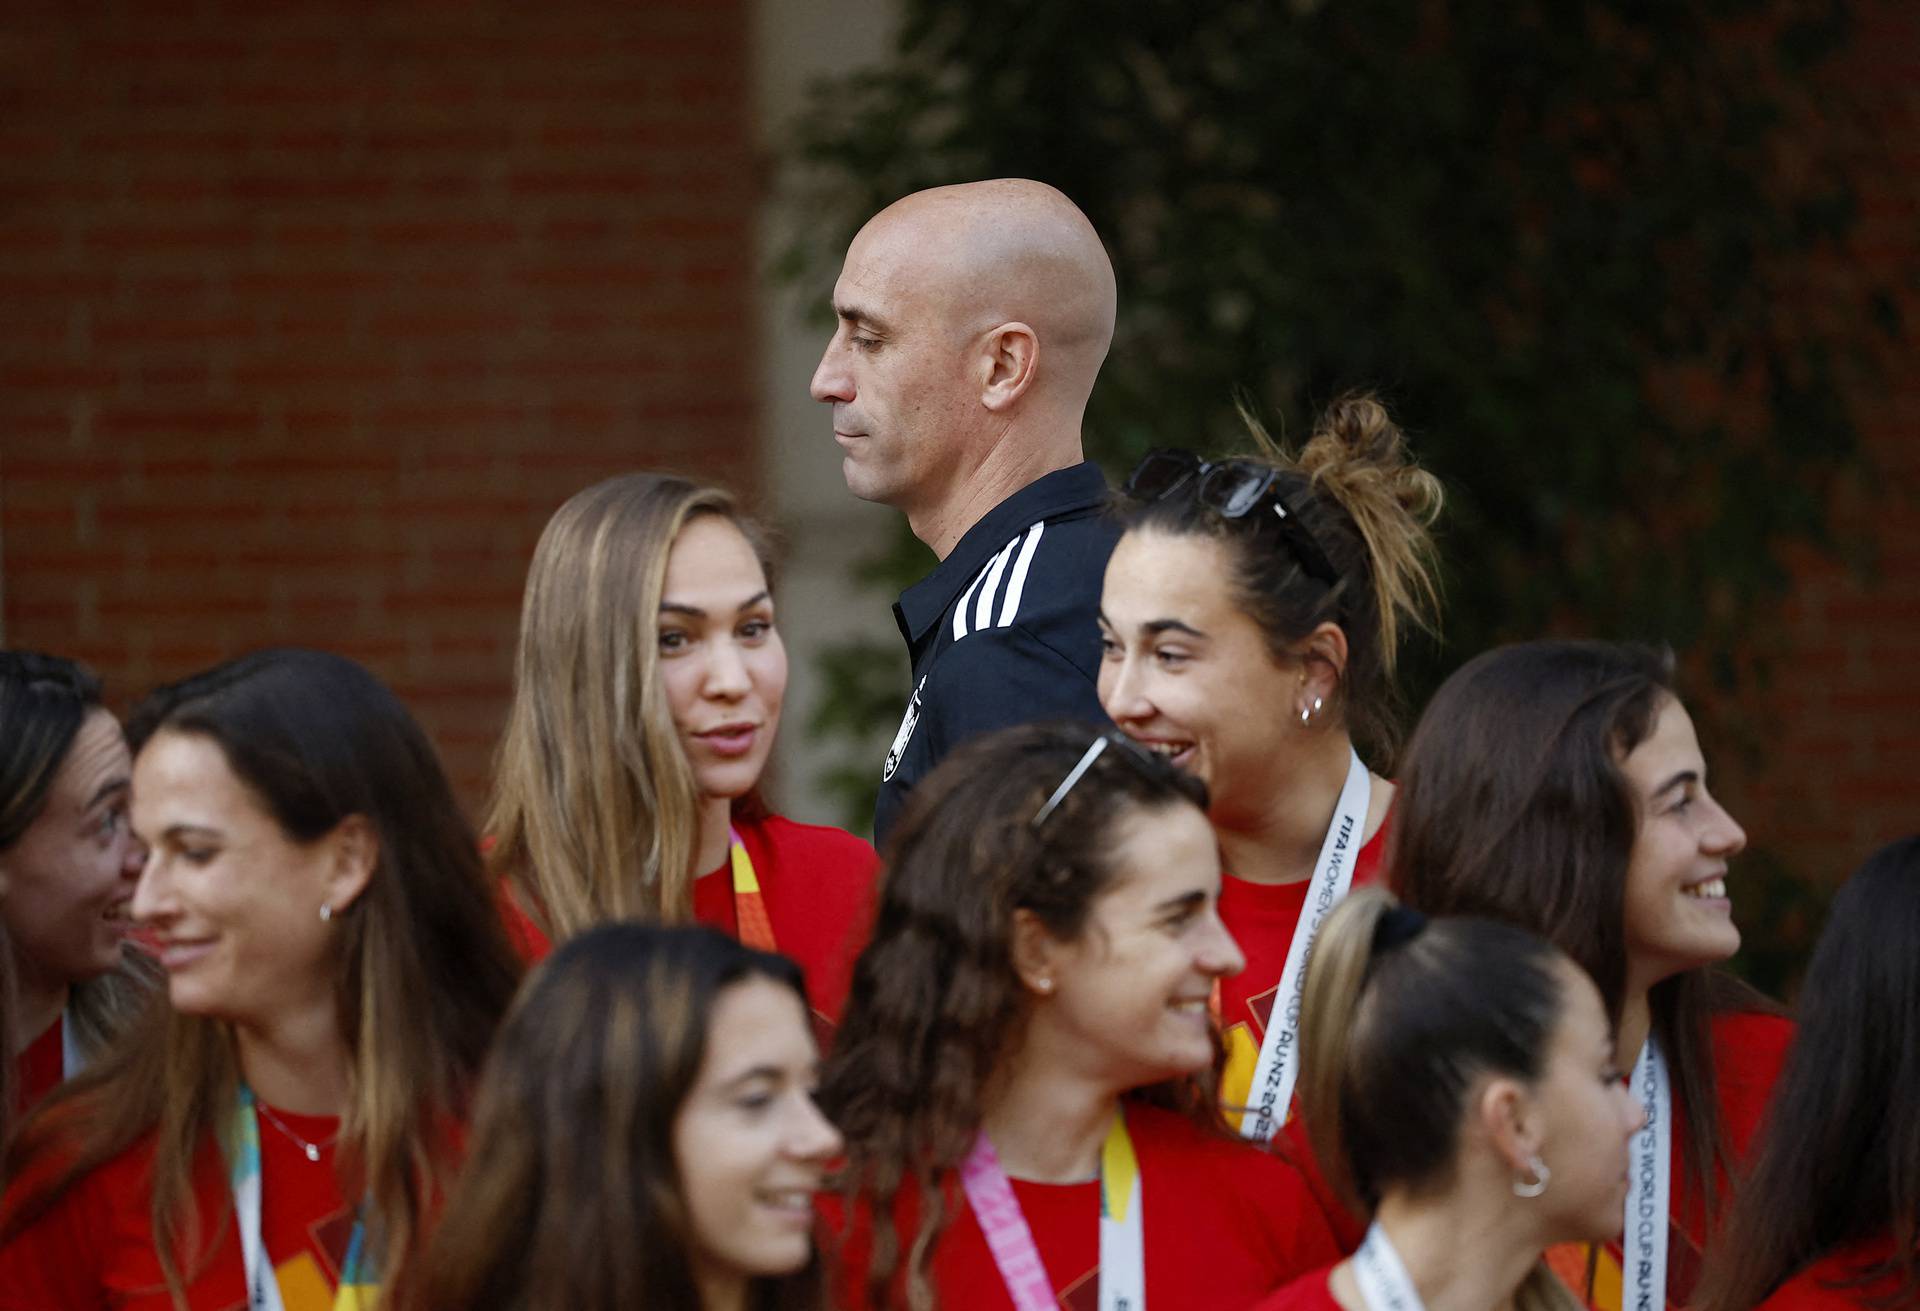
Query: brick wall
x=1841, y=769
x=312, y=311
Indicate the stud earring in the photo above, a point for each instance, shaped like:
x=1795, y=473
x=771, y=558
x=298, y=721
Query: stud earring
x=1043, y=986
x=1309, y=711
x=326, y=912
x=1537, y=1184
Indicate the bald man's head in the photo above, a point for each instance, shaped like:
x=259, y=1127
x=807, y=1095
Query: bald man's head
x=966, y=313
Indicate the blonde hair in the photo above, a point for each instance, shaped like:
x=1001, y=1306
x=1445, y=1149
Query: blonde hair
x=595, y=813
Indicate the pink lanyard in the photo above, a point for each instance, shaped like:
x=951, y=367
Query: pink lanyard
x=1004, y=1226
x=990, y=1194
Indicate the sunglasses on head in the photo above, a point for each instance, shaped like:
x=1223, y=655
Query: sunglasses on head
x=1143, y=760
x=1232, y=489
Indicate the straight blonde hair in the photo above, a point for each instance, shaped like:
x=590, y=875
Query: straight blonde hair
x=595, y=813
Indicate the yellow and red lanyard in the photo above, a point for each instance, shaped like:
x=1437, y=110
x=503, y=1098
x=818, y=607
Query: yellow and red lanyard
x=749, y=905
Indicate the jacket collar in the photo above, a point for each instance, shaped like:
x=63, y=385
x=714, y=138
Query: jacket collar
x=1080, y=487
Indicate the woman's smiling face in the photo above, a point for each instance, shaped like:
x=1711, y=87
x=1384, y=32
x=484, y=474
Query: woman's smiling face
x=1678, y=913
x=1187, y=673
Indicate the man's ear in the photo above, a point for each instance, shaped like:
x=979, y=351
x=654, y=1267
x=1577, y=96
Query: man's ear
x=1010, y=361
x=1323, y=671
x=1036, y=953
x=355, y=852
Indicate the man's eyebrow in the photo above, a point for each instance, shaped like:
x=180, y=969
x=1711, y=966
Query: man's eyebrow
x=862, y=317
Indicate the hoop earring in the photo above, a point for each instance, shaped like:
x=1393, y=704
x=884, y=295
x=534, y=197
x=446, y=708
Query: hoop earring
x=1538, y=1183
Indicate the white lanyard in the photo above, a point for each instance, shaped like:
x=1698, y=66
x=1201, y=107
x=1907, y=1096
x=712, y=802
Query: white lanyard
x=1643, y=1267
x=1384, y=1282
x=356, y=1289
x=263, y=1286
x=1278, y=1068
x=1123, y=1260
x=72, y=1058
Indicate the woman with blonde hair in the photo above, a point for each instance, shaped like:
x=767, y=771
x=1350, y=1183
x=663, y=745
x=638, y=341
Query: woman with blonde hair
x=279, y=1128
x=1460, y=1090
x=647, y=692
x=644, y=1136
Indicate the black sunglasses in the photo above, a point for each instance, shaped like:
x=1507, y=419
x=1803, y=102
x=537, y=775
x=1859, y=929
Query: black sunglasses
x=1232, y=489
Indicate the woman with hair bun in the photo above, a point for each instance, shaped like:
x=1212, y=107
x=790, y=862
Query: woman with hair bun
x=647, y=692
x=1560, y=786
x=1828, y=1217
x=1026, y=1072
x=1460, y=1089
x=644, y=1136
x=1252, y=620
x=68, y=863
x=279, y=1127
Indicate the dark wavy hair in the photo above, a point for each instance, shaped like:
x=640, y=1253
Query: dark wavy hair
x=571, y=1200
x=423, y=967
x=936, y=1004
x=1838, y=1161
x=1370, y=508
x=1512, y=805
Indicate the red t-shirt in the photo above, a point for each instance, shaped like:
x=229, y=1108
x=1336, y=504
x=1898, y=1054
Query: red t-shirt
x=1312, y=1292
x=95, y=1247
x=1262, y=918
x=1223, y=1223
x=1748, y=1050
x=1810, y=1289
x=818, y=886
x=40, y=1067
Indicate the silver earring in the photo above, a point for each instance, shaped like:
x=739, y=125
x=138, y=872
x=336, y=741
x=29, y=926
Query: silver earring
x=1308, y=712
x=1538, y=1183
x=326, y=912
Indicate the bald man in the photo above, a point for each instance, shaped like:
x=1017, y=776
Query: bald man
x=973, y=321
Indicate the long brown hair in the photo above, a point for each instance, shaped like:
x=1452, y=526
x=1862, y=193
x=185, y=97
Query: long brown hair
x=936, y=1005
x=571, y=1200
x=1401, y=1017
x=424, y=970
x=45, y=700
x=595, y=814
x=1512, y=805
x=1838, y=1161
x=1354, y=488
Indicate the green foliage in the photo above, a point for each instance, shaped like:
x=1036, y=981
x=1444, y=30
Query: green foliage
x=1559, y=237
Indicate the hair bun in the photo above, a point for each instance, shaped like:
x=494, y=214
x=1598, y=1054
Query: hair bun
x=1359, y=455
